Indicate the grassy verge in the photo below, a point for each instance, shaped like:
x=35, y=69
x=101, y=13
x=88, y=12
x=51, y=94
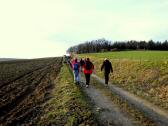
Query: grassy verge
x=68, y=105
x=139, y=117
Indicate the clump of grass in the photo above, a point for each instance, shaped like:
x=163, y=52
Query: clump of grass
x=68, y=105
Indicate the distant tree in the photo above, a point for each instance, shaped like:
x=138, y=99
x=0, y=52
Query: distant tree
x=142, y=45
x=165, y=45
x=158, y=45
x=103, y=44
x=151, y=45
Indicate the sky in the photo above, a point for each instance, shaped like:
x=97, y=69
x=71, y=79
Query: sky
x=47, y=28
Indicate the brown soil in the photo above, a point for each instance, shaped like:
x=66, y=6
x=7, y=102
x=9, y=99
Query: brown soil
x=21, y=99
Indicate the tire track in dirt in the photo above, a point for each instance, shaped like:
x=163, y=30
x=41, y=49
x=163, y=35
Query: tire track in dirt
x=151, y=111
x=22, y=75
x=27, y=104
x=5, y=91
x=19, y=77
x=25, y=112
x=109, y=113
x=24, y=93
x=28, y=79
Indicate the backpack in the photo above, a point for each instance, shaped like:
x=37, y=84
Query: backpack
x=88, y=65
x=82, y=62
x=76, y=66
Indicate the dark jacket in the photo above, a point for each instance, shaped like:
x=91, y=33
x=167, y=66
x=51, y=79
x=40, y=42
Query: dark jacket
x=82, y=62
x=107, y=66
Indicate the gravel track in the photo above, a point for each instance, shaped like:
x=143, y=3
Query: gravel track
x=108, y=112
x=158, y=115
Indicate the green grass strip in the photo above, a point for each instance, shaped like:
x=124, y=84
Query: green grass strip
x=68, y=105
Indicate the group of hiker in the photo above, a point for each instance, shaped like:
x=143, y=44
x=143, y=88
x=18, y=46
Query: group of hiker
x=87, y=67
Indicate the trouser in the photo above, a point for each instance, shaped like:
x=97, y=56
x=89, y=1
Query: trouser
x=87, y=76
x=106, y=77
x=76, y=76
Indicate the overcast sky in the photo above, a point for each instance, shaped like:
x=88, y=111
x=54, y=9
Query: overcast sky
x=46, y=28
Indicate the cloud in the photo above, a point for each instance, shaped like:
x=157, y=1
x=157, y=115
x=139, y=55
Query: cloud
x=40, y=28
x=33, y=49
x=26, y=25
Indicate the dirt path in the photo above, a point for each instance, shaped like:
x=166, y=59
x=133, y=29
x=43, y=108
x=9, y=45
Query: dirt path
x=109, y=113
x=153, y=112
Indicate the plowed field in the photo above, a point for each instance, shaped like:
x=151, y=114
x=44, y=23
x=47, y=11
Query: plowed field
x=24, y=87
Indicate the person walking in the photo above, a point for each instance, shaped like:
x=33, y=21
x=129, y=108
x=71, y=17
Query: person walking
x=88, y=69
x=107, y=66
x=76, y=68
x=82, y=62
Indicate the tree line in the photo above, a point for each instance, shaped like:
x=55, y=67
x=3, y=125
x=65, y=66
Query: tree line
x=102, y=45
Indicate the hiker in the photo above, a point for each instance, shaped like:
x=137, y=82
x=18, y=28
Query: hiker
x=107, y=66
x=82, y=62
x=76, y=68
x=88, y=67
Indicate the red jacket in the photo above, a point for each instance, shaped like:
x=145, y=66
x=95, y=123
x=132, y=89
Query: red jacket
x=88, y=71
